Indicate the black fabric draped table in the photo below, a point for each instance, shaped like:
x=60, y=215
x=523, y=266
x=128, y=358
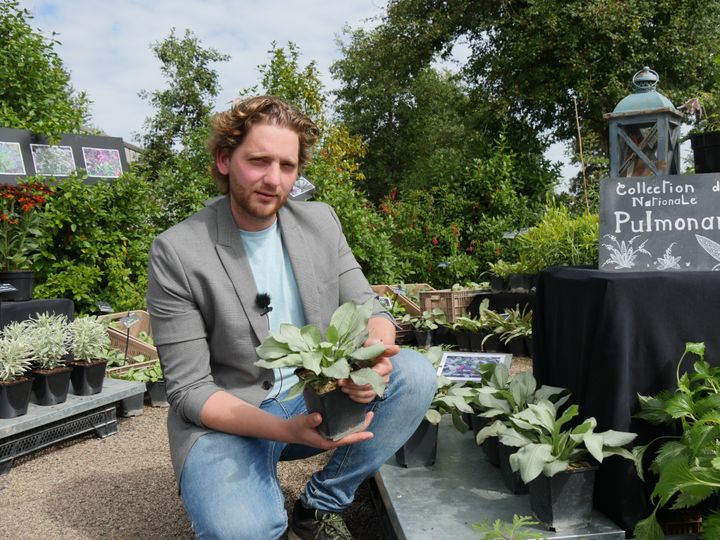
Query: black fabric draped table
x=609, y=336
x=19, y=311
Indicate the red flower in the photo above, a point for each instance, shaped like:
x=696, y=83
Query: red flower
x=435, y=241
x=471, y=245
x=455, y=230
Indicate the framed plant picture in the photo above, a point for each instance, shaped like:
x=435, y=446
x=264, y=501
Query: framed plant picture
x=52, y=160
x=462, y=366
x=102, y=162
x=11, y=160
x=302, y=190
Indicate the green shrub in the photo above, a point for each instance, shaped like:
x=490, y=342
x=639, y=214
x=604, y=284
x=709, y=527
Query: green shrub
x=94, y=243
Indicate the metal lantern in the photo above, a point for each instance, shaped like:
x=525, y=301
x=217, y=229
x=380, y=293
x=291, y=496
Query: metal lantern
x=644, y=131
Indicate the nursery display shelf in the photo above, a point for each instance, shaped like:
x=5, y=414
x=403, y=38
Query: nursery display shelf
x=43, y=426
x=444, y=500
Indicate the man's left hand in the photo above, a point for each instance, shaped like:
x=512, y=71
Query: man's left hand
x=382, y=366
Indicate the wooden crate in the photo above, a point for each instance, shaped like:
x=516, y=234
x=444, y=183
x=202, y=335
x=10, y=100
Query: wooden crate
x=410, y=306
x=142, y=326
x=453, y=303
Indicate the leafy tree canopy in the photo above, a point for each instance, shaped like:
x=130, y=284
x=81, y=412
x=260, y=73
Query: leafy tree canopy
x=531, y=57
x=35, y=89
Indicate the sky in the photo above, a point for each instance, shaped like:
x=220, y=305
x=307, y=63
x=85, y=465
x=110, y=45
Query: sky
x=106, y=45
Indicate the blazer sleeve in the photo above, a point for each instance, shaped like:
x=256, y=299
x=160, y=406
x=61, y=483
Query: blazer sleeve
x=179, y=332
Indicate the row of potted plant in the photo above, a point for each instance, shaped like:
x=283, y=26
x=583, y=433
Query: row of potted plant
x=153, y=377
x=509, y=331
x=42, y=356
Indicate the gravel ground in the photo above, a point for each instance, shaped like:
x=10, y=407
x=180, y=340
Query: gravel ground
x=123, y=487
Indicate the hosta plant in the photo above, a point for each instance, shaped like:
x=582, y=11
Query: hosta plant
x=450, y=398
x=688, y=465
x=89, y=340
x=150, y=374
x=547, y=448
x=15, y=352
x=429, y=320
x=322, y=362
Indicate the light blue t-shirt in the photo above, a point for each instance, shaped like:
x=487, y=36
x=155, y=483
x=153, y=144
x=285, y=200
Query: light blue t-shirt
x=274, y=276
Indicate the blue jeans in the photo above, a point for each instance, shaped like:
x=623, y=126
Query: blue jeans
x=229, y=483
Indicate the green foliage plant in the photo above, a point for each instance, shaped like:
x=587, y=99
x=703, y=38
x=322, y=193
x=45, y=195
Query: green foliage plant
x=50, y=339
x=151, y=374
x=688, y=466
x=470, y=325
x=35, y=88
x=21, y=208
x=559, y=239
x=498, y=397
x=501, y=530
x=546, y=448
x=15, y=352
x=322, y=362
x=89, y=339
x=517, y=323
x=450, y=398
x=94, y=242
x=429, y=320
x=503, y=269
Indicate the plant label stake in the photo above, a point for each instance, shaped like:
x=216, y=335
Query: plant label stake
x=130, y=320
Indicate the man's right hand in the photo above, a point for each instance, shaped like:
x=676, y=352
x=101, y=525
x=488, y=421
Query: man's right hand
x=303, y=430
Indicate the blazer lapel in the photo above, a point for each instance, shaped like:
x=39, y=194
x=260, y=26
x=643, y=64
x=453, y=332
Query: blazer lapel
x=232, y=255
x=300, y=252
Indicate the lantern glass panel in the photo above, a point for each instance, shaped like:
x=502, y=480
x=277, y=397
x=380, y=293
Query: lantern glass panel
x=645, y=138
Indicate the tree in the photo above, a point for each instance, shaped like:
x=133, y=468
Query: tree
x=35, y=89
x=532, y=57
x=185, y=106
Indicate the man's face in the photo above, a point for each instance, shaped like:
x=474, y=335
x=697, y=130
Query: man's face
x=261, y=172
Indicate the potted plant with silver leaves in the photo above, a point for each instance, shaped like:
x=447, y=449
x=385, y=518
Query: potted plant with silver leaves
x=89, y=345
x=321, y=363
x=559, y=463
x=50, y=341
x=420, y=450
x=15, y=361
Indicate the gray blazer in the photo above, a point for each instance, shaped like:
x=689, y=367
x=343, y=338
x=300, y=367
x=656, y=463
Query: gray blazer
x=201, y=300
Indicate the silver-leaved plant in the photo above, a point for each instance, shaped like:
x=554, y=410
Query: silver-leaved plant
x=340, y=355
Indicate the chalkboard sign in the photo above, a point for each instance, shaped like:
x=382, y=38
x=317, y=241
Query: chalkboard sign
x=660, y=223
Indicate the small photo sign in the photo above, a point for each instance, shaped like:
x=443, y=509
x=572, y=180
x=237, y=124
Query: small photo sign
x=462, y=366
x=650, y=223
x=11, y=160
x=131, y=319
x=302, y=190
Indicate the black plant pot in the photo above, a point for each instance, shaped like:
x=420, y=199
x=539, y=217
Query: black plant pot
x=423, y=339
x=530, y=346
x=15, y=397
x=50, y=386
x=420, y=450
x=490, y=445
x=463, y=341
x=706, y=151
x=476, y=342
x=497, y=283
x=22, y=280
x=516, y=346
x=520, y=283
x=564, y=502
x=158, y=394
x=341, y=416
x=87, y=378
x=512, y=479
x=492, y=343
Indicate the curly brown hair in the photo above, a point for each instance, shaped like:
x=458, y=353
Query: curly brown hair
x=230, y=127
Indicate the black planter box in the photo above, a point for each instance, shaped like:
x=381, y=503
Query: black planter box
x=497, y=283
x=476, y=342
x=341, y=416
x=512, y=479
x=564, y=502
x=492, y=343
x=520, y=283
x=15, y=397
x=516, y=346
x=490, y=445
x=87, y=378
x=423, y=339
x=22, y=280
x=50, y=387
x=420, y=450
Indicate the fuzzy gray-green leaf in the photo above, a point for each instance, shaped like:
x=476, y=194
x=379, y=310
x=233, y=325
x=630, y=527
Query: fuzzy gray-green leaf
x=368, y=376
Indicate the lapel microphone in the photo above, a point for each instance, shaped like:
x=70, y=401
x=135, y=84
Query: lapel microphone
x=262, y=301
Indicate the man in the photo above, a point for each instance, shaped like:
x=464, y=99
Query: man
x=209, y=279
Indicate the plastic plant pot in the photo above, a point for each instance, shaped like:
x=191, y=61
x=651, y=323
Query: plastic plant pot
x=87, y=378
x=15, y=397
x=341, y=416
x=564, y=502
x=158, y=394
x=420, y=450
x=463, y=341
x=50, y=387
x=512, y=479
